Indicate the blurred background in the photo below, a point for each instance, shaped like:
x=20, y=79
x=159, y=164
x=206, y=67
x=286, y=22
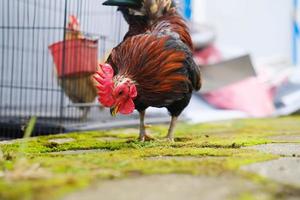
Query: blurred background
x=49, y=50
x=262, y=28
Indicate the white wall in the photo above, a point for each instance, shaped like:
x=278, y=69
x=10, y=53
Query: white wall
x=261, y=27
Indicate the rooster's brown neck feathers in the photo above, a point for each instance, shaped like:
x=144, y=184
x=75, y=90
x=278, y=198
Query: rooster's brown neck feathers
x=149, y=63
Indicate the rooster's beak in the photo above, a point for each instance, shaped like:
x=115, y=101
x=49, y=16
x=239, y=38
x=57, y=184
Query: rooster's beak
x=114, y=110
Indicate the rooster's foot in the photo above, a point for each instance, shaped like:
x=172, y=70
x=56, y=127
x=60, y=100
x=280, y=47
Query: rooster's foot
x=146, y=138
x=148, y=126
x=168, y=139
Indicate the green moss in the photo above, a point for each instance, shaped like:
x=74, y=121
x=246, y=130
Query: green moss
x=211, y=149
x=247, y=196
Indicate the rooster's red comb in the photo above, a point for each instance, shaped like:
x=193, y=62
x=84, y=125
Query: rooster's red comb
x=104, y=77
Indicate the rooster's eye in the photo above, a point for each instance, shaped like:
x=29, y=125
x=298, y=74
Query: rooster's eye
x=120, y=93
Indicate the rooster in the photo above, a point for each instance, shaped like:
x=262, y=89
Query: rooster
x=159, y=16
x=148, y=9
x=154, y=69
x=79, y=88
x=144, y=14
x=73, y=31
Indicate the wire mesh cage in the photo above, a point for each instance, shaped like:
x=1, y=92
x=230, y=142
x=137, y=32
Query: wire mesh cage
x=48, y=52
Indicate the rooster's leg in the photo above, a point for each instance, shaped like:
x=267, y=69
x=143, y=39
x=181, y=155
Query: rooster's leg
x=170, y=135
x=142, y=126
x=143, y=135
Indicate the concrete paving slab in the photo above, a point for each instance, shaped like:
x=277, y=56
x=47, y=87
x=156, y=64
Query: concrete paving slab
x=186, y=158
x=283, y=170
x=286, y=138
x=62, y=140
x=165, y=187
x=292, y=150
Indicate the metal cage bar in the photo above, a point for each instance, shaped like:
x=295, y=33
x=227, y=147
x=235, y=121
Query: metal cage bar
x=29, y=80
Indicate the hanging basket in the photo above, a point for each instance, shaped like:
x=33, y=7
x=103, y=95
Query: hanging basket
x=74, y=57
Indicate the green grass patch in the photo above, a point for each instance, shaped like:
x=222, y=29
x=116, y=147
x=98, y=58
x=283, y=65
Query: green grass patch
x=45, y=172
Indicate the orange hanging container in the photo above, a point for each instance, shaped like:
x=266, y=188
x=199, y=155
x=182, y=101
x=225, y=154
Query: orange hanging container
x=80, y=56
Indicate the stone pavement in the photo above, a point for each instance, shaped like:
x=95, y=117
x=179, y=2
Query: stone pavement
x=285, y=170
x=175, y=187
x=208, y=161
